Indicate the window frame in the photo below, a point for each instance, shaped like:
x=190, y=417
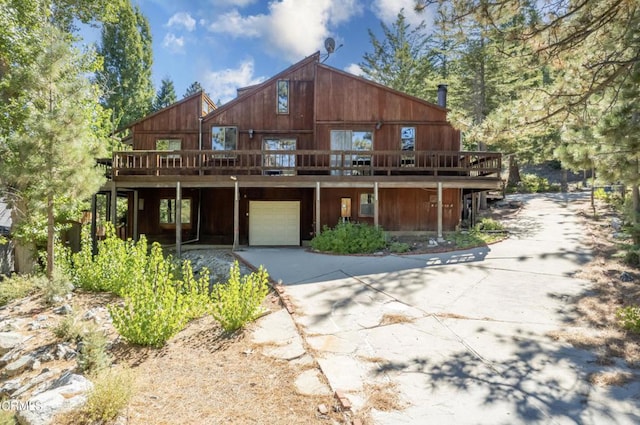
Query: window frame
x=172, y=224
x=224, y=142
x=169, y=141
x=408, y=134
x=276, y=169
x=370, y=197
x=283, y=108
x=350, y=158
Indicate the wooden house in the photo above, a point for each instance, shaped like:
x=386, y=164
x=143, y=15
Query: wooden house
x=309, y=147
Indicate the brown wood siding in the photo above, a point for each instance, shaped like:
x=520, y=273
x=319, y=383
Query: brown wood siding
x=344, y=98
x=149, y=216
x=399, y=209
x=180, y=121
x=256, y=110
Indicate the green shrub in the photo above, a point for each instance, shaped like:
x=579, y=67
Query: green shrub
x=350, y=238
x=157, y=305
x=531, y=183
x=489, y=224
x=116, y=263
x=239, y=301
x=56, y=288
x=68, y=328
x=93, y=356
x=18, y=286
x=399, y=247
x=629, y=318
x=7, y=417
x=111, y=393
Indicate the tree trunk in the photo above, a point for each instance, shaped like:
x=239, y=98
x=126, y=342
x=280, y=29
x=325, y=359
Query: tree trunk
x=50, y=236
x=635, y=193
x=564, y=185
x=514, y=171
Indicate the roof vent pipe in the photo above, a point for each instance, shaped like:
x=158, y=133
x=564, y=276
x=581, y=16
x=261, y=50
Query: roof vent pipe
x=442, y=95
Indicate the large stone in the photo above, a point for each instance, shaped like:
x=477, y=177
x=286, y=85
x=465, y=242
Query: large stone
x=18, y=366
x=9, y=340
x=67, y=393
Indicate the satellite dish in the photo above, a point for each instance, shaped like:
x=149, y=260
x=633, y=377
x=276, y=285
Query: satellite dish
x=330, y=45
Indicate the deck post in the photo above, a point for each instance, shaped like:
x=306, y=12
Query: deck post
x=375, y=204
x=178, y=219
x=94, y=224
x=113, y=204
x=136, y=201
x=318, y=227
x=440, y=238
x=236, y=216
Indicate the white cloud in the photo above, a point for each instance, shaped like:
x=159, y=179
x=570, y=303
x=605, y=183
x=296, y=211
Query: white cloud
x=173, y=43
x=224, y=83
x=292, y=28
x=387, y=11
x=182, y=19
x=238, y=3
x=354, y=69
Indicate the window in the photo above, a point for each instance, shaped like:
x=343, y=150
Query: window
x=168, y=212
x=224, y=139
x=282, y=89
x=169, y=145
x=366, y=205
x=349, y=140
x=408, y=146
x=280, y=163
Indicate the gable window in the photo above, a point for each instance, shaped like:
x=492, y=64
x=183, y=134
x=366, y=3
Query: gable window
x=282, y=89
x=168, y=213
x=408, y=146
x=279, y=163
x=169, y=145
x=348, y=162
x=366, y=205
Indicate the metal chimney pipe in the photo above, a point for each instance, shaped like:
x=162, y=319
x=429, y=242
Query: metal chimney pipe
x=442, y=95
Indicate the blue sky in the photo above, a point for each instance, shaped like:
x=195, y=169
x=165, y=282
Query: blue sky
x=226, y=44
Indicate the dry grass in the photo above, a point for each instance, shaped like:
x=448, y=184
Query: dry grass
x=392, y=319
x=204, y=376
x=604, y=379
x=597, y=309
x=383, y=397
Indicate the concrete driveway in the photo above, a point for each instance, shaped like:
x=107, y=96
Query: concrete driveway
x=461, y=338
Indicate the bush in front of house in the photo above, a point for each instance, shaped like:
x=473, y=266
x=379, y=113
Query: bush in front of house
x=629, y=318
x=239, y=300
x=531, y=183
x=350, y=238
x=156, y=304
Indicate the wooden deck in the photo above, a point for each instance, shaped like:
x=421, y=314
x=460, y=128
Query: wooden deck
x=300, y=165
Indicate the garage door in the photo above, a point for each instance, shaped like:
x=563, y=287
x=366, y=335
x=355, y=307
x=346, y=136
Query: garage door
x=274, y=223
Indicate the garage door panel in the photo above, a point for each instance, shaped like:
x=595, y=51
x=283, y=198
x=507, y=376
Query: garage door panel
x=274, y=223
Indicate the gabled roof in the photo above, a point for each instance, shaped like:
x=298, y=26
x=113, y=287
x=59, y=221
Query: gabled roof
x=200, y=93
x=248, y=91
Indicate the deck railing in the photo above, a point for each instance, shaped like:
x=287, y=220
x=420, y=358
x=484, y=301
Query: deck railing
x=307, y=162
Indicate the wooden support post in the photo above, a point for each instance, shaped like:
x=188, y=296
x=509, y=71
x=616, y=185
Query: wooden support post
x=178, y=220
x=136, y=201
x=318, y=225
x=114, y=202
x=236, y=216
x=440, y=238
x=94, y=224
x=375, y=204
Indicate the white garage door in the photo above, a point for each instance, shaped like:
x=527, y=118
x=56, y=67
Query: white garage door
x=274, y=223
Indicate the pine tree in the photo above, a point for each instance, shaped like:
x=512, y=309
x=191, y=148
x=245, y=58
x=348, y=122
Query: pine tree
x=399, y=60
x=194, y=88
x=48, y=162
x=126, y=75
x=166, y=95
